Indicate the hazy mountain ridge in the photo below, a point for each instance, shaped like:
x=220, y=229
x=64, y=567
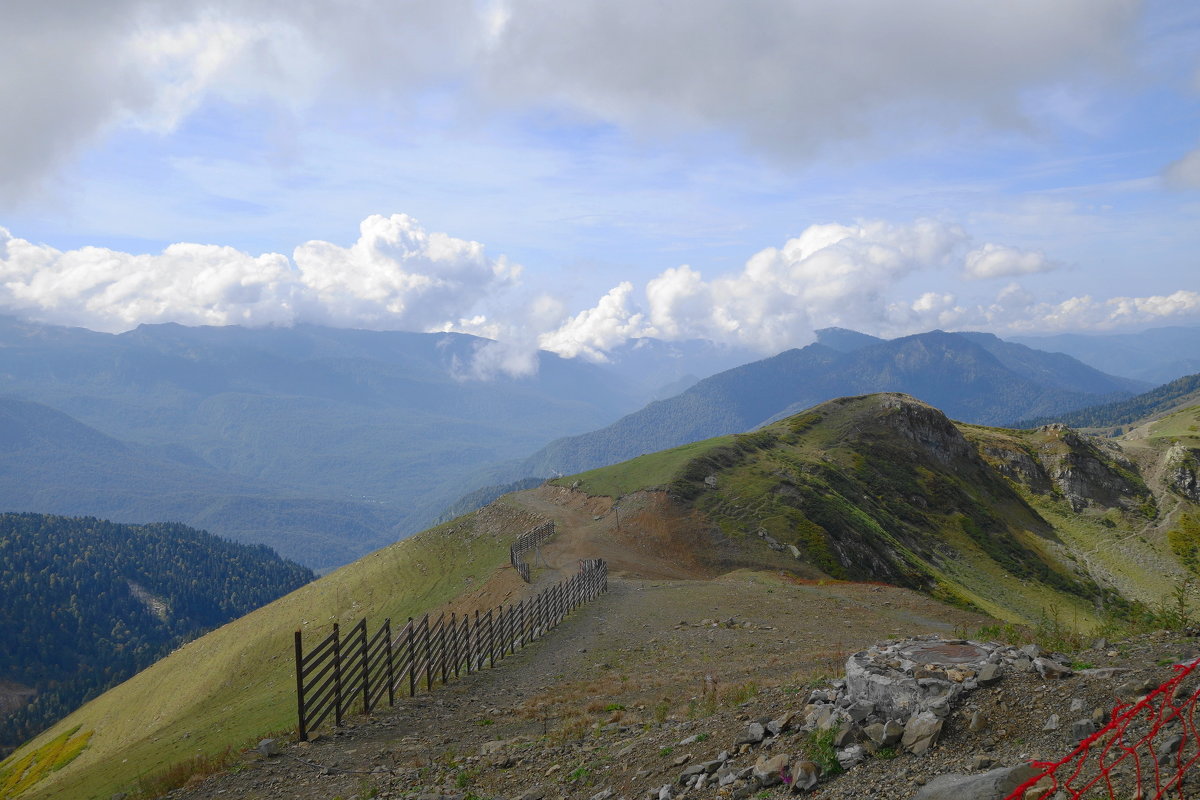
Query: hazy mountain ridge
x=1157, y=355
x=372, y=432
x=56, y=464
x=88, y=603
x=973, y=377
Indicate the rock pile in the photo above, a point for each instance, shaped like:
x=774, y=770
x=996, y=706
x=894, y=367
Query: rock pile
x=895, y=698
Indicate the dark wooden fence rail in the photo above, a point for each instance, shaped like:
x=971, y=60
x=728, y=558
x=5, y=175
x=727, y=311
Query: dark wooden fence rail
x=354, y=672
x=525, y=543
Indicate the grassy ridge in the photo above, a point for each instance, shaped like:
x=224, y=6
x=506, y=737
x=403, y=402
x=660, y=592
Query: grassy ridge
x=883, y=489
x=238, y=682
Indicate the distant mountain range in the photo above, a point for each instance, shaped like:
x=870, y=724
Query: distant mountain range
x=974, y=377
x=328, y=443
x=324, y=443
x=1157, y=355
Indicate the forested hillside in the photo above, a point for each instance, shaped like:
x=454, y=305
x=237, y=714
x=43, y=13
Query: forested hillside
x=1180, y=392
x=87, y=603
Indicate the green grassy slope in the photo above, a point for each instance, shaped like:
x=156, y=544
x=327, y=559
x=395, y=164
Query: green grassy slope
x=884, y=487
x=238, y=682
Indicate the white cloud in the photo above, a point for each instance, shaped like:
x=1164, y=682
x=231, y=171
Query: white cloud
x=828, y=275
x=793, y=77
x=1016, y=310
x=1000, y=261
x=850, y=276
x=395, y=276
x=76, y=69
x=594, y=331
x=786, y=78
x=512, y=348
x=398, y=275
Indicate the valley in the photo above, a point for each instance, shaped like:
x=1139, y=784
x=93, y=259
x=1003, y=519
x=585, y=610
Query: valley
x=326, y=444
x=861, y=519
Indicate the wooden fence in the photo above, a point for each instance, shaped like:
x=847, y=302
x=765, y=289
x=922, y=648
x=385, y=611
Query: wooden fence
x=344, y=674
x=525, y=543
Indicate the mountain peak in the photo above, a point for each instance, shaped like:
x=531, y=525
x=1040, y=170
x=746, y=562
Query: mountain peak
x=845, y=340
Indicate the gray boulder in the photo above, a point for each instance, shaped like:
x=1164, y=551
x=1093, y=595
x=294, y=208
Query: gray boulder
x=921, y=732
x=994, y=785
x=769, y=771
x=805, y=775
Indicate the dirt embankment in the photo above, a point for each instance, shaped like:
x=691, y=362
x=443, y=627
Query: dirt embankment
x=647, y=535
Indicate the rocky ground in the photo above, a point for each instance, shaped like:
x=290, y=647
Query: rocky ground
x=660, y=682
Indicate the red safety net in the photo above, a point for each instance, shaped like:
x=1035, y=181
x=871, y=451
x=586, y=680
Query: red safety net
x=1143, y=753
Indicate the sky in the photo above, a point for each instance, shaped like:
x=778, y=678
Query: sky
x=573, y=175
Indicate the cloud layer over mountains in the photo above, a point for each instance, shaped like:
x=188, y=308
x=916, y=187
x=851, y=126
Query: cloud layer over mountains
x=399, y=276
x=762, y=71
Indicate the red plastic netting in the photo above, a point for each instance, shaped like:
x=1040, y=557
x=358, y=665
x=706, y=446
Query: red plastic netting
x=1145, y=751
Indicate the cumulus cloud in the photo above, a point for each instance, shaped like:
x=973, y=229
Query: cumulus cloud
x=774, y=74
x=1000, y=261
x=1015, y=310
x=594, y=331
x=828, y=275
x=399, y=276
x=395, y=276
x=849, y=276
x=508, y=348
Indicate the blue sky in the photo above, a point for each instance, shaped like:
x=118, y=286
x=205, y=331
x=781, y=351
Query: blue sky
x=569, y=175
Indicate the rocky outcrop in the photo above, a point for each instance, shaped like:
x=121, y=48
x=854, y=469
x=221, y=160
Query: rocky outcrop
x=1181, y=471
x=1089, y=471
x=930, y=429
x=1020, y=467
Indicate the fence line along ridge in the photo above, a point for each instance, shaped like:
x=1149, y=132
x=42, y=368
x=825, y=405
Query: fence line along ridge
x=526, y=543
x=340, y=674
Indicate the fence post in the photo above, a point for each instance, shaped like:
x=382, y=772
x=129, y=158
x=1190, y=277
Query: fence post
x=428, y=653
x=412, y=658
x=510, y=631
x=491, y=640
x=443, y=655
x=391, y=670
x=477, y=651
x=366, y=669
x=466, y=642
x=337, y=676
x=303, y=730
x=524, y=622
